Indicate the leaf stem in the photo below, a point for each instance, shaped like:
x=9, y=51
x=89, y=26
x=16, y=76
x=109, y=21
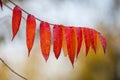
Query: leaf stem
x=12, y=69
x=28, y=12
x=11, y=9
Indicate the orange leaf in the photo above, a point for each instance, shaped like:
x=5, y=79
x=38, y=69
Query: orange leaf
x=16, y=19
x=94, y=39
x=103, y=42
x=71, y=40
x=64, y=44
x=30, y=32
x=87, y=39
x=1, y=4
x=79, y=39
x=45, y=39
x=57, y=40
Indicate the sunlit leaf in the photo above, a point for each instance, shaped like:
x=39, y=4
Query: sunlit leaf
x=57, y=40
x=64, y=44
x=87, y=39
x=16, y=19
x=67, y=37
x=79, y=39
x=103, y=41
x=30, y=32
x=71, y=38
x=94, y=39
x=45, y=39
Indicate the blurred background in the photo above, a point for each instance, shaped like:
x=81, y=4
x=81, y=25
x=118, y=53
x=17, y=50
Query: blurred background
x=102, y=15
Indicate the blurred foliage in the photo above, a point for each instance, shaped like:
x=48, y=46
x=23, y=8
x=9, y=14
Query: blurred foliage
x=93, y=67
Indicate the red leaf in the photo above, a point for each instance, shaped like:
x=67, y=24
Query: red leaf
x=94, y=39
x=16, y=19
x=45, y=39
x=87, y=39
x=71, y=42
x=79, y=39
x=30, y=32
x=57, y=40
x=1, y=4
x=103, y=42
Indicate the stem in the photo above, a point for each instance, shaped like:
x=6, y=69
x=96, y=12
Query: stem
x=11, y=9
x=12, y=69
x=28, y=12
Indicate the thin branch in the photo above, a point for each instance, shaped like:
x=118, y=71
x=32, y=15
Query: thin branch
x=27, y=12
x=11, y=9
x=12, y=69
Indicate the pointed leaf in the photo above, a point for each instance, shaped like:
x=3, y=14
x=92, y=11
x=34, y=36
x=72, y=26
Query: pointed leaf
x=57, y=40
x=45, y=39
x=103, y=42
x=30, y=32
x=16, y=19
x=94, y=39
x=71, y=40
x=1, y=4
x=79, y=39
x=87, y=39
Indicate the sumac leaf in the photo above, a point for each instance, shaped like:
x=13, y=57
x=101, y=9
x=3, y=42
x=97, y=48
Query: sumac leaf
x=87, y=39
x=94, y=39
x=45, y=39
x=79, y=39
x=103, y=42
x=1, y=4
x=71, y=38
x=57, y=40
x=16, y=20
x=30, y=32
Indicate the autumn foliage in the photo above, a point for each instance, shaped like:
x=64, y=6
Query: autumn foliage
x=45, y=39
x=68, y=38
x=57, y=40
x=30, y=32
x=16, y=19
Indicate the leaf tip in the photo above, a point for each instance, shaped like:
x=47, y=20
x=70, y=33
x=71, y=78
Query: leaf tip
x=56, y=56
x=73, y=66
x=29, y=52
x=12, y=38
x=46, y=57
x=72, y=62
x=103, y=42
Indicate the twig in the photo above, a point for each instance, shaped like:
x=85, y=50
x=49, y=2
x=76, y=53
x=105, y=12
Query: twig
x=12, y=69
x=27, y=12
x=11, y=9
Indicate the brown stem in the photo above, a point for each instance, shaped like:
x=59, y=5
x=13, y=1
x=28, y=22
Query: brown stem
x=12, y=69
x=11, y=9
x=27, y=12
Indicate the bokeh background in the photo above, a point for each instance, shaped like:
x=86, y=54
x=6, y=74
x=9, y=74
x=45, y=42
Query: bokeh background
x=102, y=15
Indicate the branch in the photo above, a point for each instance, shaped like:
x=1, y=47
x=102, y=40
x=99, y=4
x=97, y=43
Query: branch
x=11, y=9
x=12, y=69
x=27, y=12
